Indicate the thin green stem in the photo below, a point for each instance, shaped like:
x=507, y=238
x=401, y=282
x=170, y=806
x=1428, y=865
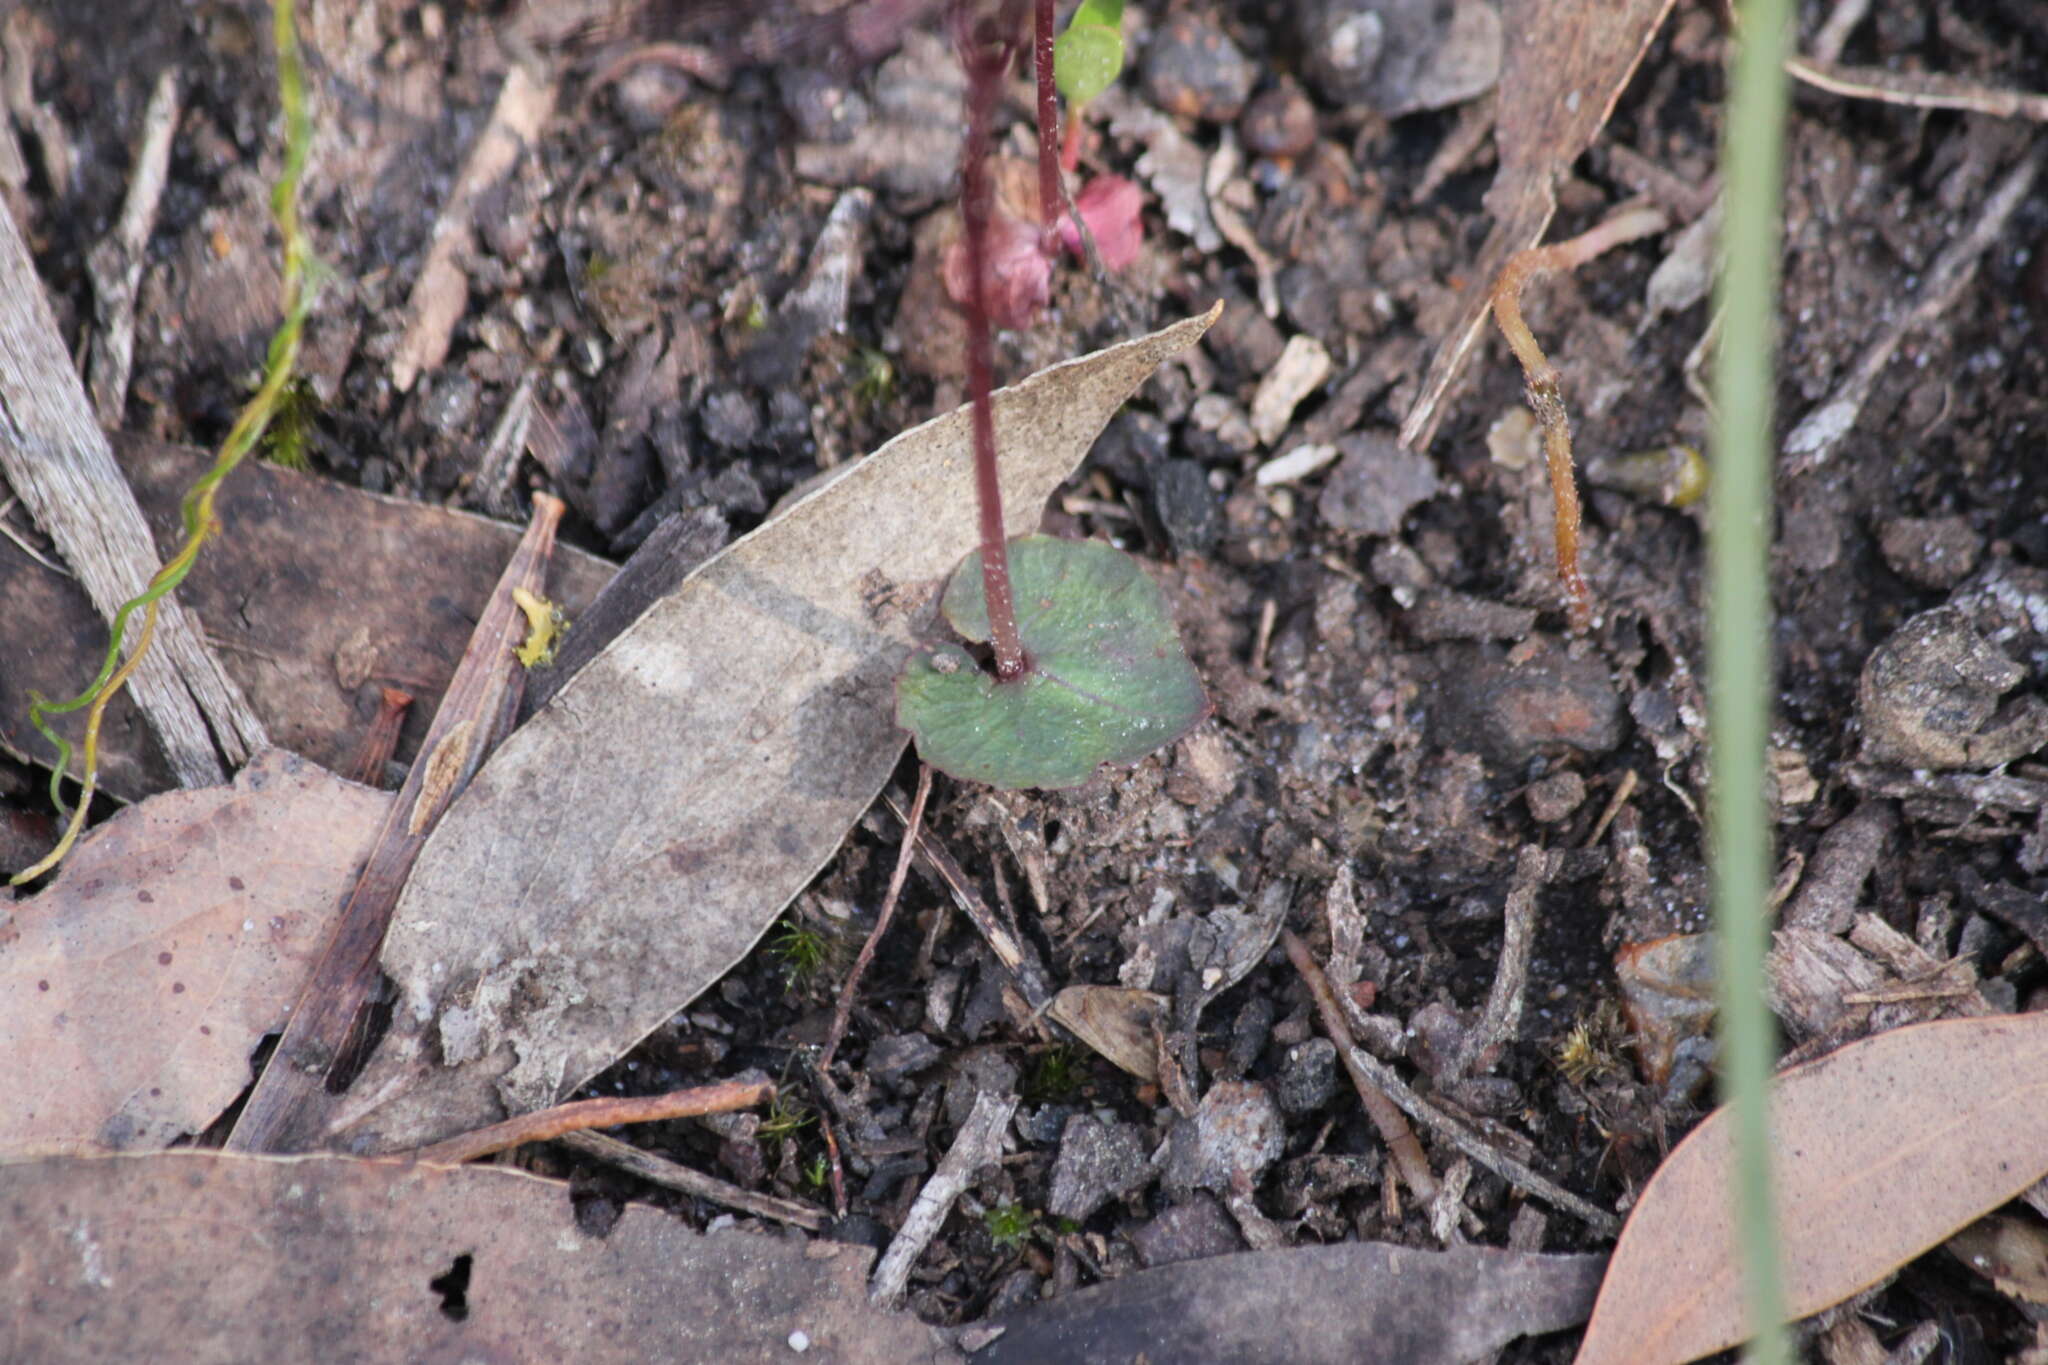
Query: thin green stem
x=197, y=508
x=1740, y=675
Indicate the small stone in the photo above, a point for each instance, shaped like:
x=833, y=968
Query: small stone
x=982, y=1070
x=1131, y=446
x=1399, y=56
x=1929, y=695
x=1375, y=485
x=1204, y=771
x=1303, y=366
x=823, y=108
x=1307, y=1079
x=1934, y=552
x=450, y=405
x=648, y=93
x=1244, y=342
x=1019, y=1290
x=1187, y=507
x=1218, y=424
x=732, y=419
x=1556, y=797
x=1280, y=123
x=1511, y=712
x=1442, y=614
x=789, y=417
x=1187, y=1232
x=1248, y=1034
x=1323, y=1179
x=1237, y=1130
x=1194, y=70
x=899, y=1054
x=1098, y=1161
x=1296, y=464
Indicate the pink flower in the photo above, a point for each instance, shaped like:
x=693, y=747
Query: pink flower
x=1019, y=275
x=1109, y=205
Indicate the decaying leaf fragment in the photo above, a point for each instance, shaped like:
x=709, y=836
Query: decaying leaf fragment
x=133, y=990
x=627, y=846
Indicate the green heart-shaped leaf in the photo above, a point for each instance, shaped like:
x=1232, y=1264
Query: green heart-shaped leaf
x=1105, y=680
x=1086, y=59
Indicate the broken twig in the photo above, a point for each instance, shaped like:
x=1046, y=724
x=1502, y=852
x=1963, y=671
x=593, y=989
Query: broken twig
x=1408, y=1155
x=674, y=1176
x=979, y=1142
x=1357, y=1060
x=608, y=1112
x=904, y=851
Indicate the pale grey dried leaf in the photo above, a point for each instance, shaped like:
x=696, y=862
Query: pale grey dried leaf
x=237, y=1258
x=633, y=841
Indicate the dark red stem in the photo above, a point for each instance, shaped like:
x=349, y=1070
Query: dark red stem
x=1048, y=119
x=986, y=61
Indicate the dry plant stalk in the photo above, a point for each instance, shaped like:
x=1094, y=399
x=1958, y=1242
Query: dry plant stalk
x=1540, y=377
x=607, y=1112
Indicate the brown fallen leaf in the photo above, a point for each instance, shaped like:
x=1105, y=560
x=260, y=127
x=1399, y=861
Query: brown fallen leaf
x=317, y=595
x=134, y=988
x=1565, y=66
x=629, y=844
x=1882, y=1150
x=218, y=1258
x=1359, y=1303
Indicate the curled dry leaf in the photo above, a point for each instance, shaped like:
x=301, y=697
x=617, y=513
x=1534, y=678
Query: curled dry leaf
x=133, y=990
x=629, y=844
x=1883, y=1149
x=116, y=1256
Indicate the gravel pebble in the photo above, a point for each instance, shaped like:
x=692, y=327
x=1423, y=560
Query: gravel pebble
x=1194, y=70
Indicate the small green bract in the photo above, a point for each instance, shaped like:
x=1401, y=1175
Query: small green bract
x=1105, y=681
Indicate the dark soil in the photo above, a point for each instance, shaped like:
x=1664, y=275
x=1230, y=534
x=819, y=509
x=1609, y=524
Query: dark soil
x=1395, y=691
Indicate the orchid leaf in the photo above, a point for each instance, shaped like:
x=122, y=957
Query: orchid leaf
x=1106, y=679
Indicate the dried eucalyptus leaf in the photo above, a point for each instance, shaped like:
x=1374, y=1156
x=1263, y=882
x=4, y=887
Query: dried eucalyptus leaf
x=633, y=841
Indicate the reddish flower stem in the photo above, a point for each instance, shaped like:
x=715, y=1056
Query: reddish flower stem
x=1048, y=119
x=986, y=60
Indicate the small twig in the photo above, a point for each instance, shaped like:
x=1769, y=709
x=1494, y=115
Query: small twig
x=440, y=295
x=979, y=1142
x=1836, y=28
x=670, y=1175
x=21, y=543
x=1015, y=956
x=1541, y=376
x=1918, y=89
x=1623, y=790
x=1408, y=1155
x=1502, y=1017
x=1392, y=1087
x=381, y=739
x=115, y=264
x=609, y=1112
x=1811, y=442
x=844, y=1009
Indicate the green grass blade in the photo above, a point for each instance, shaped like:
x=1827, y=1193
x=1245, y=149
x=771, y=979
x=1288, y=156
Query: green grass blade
x=1741, y=682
